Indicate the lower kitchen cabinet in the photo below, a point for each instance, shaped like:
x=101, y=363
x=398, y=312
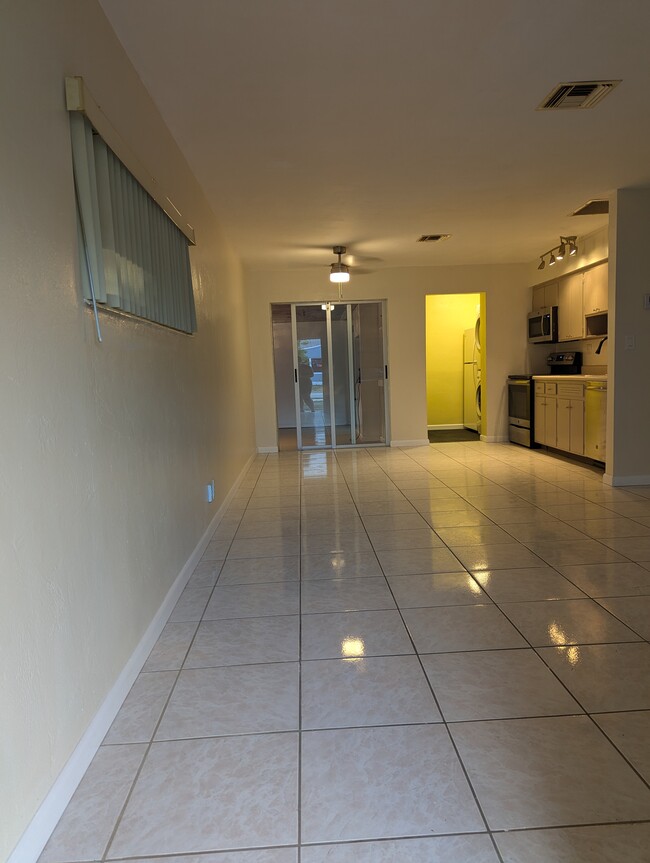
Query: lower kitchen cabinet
x=546, y=414
x=571, y=417
x=560, y=416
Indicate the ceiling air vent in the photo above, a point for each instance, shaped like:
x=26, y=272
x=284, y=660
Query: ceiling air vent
x=577, y=94
x=595, y=207
x=433, y=238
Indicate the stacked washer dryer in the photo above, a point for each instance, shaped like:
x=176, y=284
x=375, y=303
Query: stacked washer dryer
x=472, y=378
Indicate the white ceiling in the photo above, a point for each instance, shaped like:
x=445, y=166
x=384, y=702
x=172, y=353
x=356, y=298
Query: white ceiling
x=367, y=123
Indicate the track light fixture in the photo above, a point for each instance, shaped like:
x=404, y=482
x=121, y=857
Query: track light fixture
x=339, y=272
x=557, y=253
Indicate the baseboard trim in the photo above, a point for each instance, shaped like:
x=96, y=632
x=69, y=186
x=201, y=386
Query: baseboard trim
x=267, y=449
x=407, y=443
x=446, y=426
x=31, y=843
x=611, y=479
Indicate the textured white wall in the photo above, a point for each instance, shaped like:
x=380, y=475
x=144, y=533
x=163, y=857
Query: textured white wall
x=105, y=449
x=405, y=289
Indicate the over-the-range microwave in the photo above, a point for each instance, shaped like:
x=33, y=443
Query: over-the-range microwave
x=542, y=325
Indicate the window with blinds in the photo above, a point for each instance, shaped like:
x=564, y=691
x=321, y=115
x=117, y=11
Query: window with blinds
x=133, y=257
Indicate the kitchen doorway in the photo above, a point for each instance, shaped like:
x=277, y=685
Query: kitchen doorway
x=455, y=367
x=330, y=374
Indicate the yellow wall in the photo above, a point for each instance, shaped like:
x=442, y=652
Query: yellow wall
x=447, y=317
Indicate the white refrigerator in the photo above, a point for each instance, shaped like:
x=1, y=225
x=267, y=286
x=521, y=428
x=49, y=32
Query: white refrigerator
x=471, y=381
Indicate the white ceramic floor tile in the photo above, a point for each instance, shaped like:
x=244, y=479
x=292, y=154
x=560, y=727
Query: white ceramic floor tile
x=244, y=699
x=171, y=648
x=632, y=610
x=609, y=579
x=346, y=594
x=604, y=677
x=271, y=855
x=380, y=690
x=207, y=795
x=417, y=560
x=372, y=783
x=562, y=622
x=257, y=570
x=496, y=684
x=396, y=521
x=443, y=588
x=245, y=641
x=468, y=627
x=438, y=849
x=480, y=535
x=525, y=585
x=614, y=843
x=191, y=605
x=548, y=772
x=336, y=542
x=317, y=566
x=265, y=547
x=402, y=539
x=89, y=819
x=561, y=552
x=510, y=555
x=354, y=634
x=630, y=733
x=142, y=708
x=253, y=600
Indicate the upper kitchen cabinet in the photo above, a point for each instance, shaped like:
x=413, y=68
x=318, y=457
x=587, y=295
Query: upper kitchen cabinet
x=545, y=296
x=570, y=311
x=595, y=290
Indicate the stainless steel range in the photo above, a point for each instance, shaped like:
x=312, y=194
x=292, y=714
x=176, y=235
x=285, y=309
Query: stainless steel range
x=521, y=404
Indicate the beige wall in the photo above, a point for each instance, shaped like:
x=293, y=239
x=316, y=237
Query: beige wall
x=628, y=453
x=105, y=448
x=507, y=302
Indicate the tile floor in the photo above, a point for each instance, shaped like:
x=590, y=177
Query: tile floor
x=436, y=654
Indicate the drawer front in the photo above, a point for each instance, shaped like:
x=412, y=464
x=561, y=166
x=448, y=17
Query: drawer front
x=550, y=389
x=539, y=388
x=570, y=390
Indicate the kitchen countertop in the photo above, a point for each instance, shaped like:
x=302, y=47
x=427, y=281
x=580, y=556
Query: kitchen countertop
x=557, y=378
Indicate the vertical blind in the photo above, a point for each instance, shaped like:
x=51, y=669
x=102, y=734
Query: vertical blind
x=134, y=258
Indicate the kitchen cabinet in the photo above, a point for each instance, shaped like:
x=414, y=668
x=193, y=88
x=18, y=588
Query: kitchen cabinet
x=545, y=296
x=595, y=290
x=570, y=422
x=570, y=313
x=596, y=419
x=545, y=414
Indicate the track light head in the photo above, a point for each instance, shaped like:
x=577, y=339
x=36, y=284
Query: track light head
x=561, y=250
x=551, y=260
x=573, y=249
x=542, y=264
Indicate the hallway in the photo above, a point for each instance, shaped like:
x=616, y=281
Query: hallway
x=432, y=655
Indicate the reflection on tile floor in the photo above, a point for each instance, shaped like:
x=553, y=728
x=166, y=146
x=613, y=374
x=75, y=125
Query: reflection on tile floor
x=429, y=654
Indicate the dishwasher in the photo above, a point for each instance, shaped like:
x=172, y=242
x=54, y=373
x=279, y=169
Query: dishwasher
x=595, y=419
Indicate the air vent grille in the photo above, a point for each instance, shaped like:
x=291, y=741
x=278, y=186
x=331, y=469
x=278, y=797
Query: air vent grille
x=577, y=94
x=595, y=207
x=433, y=238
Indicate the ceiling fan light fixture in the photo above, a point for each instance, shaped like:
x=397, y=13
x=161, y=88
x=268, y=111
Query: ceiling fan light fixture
x=339, y=273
